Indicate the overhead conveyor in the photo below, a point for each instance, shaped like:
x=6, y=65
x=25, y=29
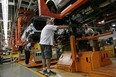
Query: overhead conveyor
x=44, y=11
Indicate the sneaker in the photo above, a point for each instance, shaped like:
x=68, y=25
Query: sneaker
x=48, y=73
x=44, y=71
x=54, y=73
x=51, y=73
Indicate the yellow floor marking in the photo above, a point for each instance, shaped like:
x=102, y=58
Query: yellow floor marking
x=39, y=74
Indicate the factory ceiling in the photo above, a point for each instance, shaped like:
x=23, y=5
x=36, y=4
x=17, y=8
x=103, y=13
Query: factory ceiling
x=91, y=11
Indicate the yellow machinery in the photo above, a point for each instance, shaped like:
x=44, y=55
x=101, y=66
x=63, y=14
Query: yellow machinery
x=36, y=52
x=34, y=49
x=11, y=56
x=15, y=56
x=35, y=57
x=110, y=50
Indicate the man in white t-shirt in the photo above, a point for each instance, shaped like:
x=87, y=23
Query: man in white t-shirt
x=46, y=42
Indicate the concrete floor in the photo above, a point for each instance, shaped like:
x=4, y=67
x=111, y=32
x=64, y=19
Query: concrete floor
x=17, y=70
x=61, y=73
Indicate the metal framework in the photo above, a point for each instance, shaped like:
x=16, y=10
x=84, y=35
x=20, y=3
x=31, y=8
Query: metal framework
x=17, y=39
x=44, y=11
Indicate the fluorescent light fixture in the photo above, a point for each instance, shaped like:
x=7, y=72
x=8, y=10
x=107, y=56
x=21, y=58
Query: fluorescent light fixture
x=5, y=18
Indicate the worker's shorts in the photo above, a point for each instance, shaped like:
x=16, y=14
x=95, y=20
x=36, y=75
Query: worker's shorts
x=46, y=51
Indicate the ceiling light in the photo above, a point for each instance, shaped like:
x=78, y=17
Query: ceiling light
x=5, y=18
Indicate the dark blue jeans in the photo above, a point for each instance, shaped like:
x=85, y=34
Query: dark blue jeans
x=27, y=56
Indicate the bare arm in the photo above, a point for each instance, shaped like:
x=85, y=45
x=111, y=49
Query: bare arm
x=63, y=27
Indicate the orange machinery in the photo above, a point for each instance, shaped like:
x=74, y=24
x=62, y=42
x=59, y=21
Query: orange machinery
x=89, y=60
x=44, y=11
x=16, y=40
x=69, y=61
x=26, y=15
x=23, y=21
